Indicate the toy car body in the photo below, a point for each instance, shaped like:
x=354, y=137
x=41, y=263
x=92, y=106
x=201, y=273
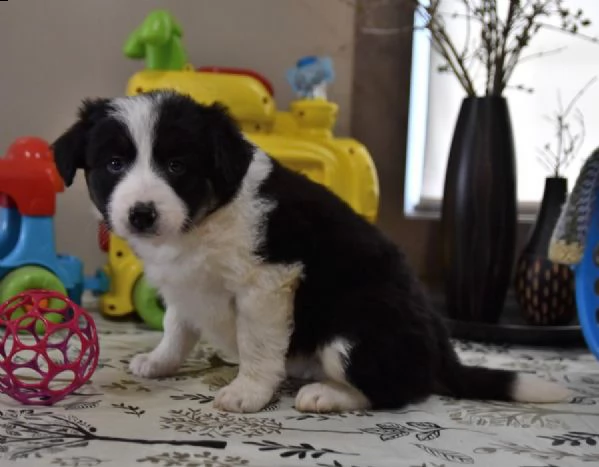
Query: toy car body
x=29, y=184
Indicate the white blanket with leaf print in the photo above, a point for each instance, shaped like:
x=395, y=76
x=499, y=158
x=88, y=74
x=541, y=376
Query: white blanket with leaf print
x=120, y=420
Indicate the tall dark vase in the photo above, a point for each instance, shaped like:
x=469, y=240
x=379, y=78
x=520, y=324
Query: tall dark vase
x=479, y=213
x=545, y=290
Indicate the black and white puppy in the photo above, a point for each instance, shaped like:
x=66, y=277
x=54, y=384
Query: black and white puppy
x=270, y=267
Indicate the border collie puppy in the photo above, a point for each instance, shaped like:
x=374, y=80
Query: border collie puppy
x=270, y=267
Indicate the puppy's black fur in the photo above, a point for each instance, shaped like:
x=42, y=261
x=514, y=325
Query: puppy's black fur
x=358, y=286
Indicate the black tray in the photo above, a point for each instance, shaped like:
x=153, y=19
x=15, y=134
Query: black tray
x=512, y=329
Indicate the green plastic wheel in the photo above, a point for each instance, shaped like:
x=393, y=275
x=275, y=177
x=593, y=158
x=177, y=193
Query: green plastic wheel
x=148, y=304
x=32, y=278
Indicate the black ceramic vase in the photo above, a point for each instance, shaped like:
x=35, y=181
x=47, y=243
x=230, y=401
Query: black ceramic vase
x=479, y=213
x=544, y=289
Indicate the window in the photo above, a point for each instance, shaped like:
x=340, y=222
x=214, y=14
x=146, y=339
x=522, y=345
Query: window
x=436, y=99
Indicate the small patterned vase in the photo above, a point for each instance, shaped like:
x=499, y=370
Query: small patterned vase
x=544, y=289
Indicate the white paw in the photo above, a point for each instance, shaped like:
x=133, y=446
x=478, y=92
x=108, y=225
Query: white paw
x=147, y=365
x=530, y=388
x=329, y=397
x=243, y=395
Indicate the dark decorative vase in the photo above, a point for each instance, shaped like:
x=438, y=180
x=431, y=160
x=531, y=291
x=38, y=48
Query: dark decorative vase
x=479, y=213
x=544, y=289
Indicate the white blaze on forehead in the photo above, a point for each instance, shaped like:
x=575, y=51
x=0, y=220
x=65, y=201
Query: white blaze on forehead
x=139, y=115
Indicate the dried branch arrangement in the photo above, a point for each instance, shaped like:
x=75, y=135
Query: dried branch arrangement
x=503, y=37
x=569, y=133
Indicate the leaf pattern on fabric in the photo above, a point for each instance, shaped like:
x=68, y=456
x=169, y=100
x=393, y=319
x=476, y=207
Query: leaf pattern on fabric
x=301, y=451
x=219, y=377
x=423, y=431
x=537, y=453
x=331, y=416
x=27, y=433
x=339, y=464
x=77, y=461
x=200, y=398
x=129, y=409
x=511, y=415
x=582, y=400
x=185, y=459
x=573, y=438
x=126, y=385
x=82, y=405
x=445, y=454
x=388, y=431
x=219, y=424
x=122, y=420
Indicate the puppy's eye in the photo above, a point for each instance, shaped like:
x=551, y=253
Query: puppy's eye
x=115, y=165
x=176, y=167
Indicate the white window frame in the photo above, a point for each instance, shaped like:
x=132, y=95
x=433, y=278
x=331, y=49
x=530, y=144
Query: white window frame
x=418, y=122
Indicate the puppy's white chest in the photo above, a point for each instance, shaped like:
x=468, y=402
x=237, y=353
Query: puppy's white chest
x=210, y=309
x=197, y=287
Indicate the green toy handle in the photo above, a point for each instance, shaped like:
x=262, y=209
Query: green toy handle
x=157, y=41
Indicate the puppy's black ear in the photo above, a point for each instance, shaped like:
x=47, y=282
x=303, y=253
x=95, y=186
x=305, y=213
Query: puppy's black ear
x=232, y=152
x=69, y=148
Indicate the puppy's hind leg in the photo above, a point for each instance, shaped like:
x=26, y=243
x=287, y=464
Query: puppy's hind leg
x=369, y=375
x=335, y=393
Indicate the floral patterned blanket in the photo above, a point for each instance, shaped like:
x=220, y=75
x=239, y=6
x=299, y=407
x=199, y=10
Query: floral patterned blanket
x=120, y=420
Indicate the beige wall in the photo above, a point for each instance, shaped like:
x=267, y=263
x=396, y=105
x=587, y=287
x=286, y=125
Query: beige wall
x=54, y=53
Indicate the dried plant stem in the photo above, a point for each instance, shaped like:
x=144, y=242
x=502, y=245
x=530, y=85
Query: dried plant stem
x=469, y=85
x=567, y=142
x=503, y=38
x=579, y=94
x=544, y=53
x=445, y=47
x=498, y=82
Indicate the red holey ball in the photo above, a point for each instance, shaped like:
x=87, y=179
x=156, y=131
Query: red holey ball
x=42, y=362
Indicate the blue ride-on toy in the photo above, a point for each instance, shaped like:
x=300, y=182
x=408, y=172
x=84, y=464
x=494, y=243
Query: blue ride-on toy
x=575, y=241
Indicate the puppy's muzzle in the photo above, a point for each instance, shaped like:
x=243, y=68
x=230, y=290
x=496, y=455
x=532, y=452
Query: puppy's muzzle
x=143, y=217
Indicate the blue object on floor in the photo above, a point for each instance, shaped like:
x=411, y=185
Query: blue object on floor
x=587, y=283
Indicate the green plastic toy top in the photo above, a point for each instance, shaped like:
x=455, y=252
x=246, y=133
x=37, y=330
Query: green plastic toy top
x=157, y=41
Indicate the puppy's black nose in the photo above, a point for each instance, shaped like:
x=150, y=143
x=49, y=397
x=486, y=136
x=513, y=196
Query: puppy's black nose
x=142, y=216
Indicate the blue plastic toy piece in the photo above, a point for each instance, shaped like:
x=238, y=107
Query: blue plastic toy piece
x=98, y=284
x=310, y=76
x=9, y=229
x=35, y=245
x=586, y=276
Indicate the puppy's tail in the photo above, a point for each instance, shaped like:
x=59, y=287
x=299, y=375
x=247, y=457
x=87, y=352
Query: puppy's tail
x=474, y=382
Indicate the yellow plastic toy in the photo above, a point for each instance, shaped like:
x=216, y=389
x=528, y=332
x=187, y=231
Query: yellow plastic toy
x=301, y=138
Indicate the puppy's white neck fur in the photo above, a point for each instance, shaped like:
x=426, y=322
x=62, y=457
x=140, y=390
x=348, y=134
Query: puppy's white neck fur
x=234, y=228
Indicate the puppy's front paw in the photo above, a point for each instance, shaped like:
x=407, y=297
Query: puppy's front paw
x=243, y=395
x=147, y=365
